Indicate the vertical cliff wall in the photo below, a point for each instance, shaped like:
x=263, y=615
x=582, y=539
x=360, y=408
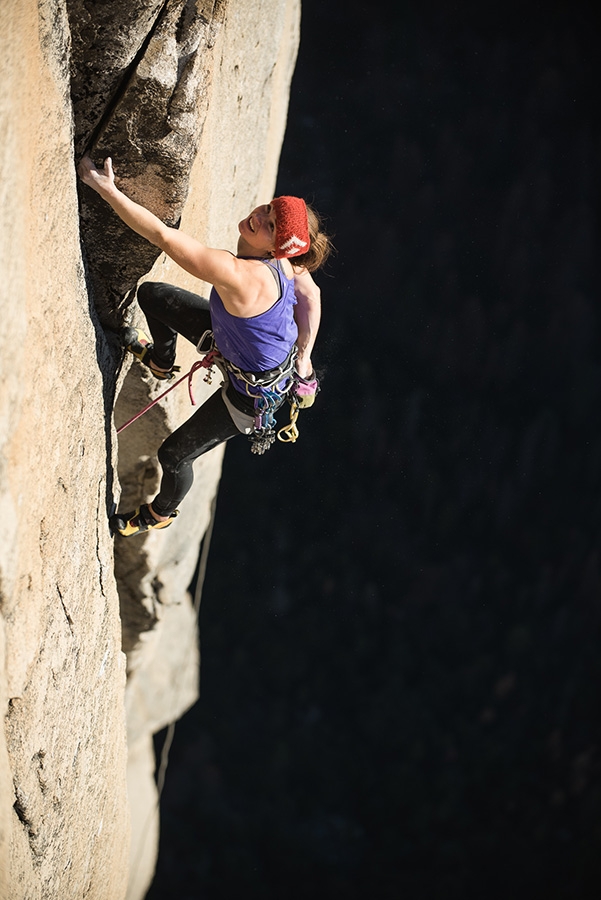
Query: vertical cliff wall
x=190, y=100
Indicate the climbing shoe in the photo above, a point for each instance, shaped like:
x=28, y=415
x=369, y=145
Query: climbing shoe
x=128, y=524
x=138, y=343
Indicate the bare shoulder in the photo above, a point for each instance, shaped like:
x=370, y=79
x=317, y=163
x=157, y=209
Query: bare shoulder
x=287, y=268
x=251, y=291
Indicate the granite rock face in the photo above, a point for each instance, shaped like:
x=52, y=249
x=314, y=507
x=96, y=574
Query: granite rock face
x=190, y=100
x=146, y=111
x=64, y=820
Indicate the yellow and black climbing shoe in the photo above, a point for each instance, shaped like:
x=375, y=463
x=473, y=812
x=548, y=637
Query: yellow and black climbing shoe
x=138, y=343
x=128, y=524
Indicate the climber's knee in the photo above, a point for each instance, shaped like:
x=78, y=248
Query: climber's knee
x=145, y=293
x=168, y=457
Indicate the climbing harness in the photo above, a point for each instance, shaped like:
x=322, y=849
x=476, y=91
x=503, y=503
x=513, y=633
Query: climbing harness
x=268, y=389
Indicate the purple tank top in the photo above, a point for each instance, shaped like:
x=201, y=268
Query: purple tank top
x=262, y=342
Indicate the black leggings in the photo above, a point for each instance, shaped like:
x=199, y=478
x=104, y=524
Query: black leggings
x=170, y=310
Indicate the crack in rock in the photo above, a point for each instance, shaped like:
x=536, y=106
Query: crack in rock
x=66, y=612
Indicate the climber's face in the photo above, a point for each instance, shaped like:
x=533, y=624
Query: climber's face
x=258, y=229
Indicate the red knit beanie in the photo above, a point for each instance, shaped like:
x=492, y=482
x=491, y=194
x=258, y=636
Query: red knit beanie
x=292, y=227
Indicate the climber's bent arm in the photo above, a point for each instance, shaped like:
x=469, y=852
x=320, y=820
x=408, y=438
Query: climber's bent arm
x=307, y=314
x=218, y=267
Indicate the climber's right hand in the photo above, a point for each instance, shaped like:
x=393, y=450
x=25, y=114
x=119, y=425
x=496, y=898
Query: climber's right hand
x=101, y=180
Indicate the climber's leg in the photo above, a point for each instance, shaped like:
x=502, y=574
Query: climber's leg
x=170, y=310
x=210, y=426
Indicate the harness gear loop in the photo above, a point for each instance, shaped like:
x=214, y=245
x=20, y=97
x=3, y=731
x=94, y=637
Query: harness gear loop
x=268, y=390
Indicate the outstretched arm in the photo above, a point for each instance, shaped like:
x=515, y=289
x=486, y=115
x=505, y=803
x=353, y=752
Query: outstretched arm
x=215, y=266
x=307, y=314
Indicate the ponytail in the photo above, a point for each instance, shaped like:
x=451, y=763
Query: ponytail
x=321, y=245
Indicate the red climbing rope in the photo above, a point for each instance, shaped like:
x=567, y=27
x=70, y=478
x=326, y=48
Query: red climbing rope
x=205, y=363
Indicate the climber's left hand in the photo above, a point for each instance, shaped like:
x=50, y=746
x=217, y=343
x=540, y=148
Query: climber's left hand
x=305, y=389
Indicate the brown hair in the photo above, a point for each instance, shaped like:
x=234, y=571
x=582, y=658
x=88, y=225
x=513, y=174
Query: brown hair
x=321, y=245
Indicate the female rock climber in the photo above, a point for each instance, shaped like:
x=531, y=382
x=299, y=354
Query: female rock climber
x=264, y=312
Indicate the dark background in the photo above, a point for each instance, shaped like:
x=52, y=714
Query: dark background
x=400, y=622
